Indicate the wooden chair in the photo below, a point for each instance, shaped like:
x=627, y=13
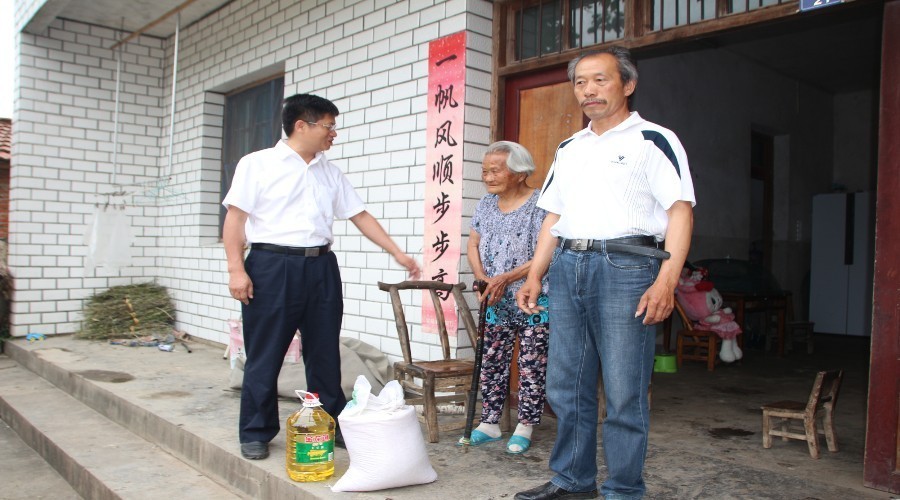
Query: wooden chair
x=798, y=331
x=778, y=417
x=423, y=380
x=694, y=344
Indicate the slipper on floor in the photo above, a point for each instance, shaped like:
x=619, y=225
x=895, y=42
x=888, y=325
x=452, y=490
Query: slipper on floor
x=478, y=438
x=521, y=441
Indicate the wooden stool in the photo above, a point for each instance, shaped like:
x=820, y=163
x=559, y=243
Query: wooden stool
x=697, y=345
x=797, y=419
x=798, y=331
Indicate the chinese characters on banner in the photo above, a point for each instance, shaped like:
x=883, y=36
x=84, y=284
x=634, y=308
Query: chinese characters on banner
x=444, y=172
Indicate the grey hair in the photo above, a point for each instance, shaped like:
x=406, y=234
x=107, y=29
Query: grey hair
x=518, y=159
x=627, y=69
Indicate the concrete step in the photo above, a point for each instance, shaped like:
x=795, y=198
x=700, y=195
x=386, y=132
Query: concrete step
x=25, y=475
x=99, y=458
x=177, y=401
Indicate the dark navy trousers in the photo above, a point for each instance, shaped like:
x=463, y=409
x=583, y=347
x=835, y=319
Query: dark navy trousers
x=290, y=292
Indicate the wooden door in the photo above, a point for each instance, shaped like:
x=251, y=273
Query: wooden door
x=541, y=112
x=881, y=468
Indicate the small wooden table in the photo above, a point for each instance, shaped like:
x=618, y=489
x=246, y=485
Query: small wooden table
x=771, y=303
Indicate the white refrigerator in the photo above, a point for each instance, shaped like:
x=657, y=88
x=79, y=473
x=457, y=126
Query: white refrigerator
x=842, y=262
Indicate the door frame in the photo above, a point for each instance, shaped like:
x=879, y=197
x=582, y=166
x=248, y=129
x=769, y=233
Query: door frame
x=881, y=469
x=764, y=171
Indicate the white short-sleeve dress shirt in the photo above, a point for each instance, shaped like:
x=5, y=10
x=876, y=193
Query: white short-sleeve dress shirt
x=290, y=202
x=617, y=184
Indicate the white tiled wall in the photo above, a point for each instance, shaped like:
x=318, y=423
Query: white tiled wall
x=63, y=157
x=369, y=57
x=25, y=10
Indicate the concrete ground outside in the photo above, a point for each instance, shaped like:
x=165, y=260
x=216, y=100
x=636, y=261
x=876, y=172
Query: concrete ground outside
x=705, y=437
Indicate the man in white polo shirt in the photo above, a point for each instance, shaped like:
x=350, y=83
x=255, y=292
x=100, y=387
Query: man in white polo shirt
x=616, y=190
x=283, y=202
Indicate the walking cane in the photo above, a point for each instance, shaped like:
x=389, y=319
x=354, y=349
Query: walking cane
x=479, y=286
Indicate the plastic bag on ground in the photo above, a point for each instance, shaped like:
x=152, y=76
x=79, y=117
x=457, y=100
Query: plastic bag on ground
x=390, y=398
x=383, y=439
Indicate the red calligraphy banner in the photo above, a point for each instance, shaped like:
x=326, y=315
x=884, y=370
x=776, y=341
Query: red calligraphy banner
x=444, y=172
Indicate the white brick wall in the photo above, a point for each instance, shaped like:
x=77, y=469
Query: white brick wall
x=63, y=157
x=25, y=10
x=369, y=57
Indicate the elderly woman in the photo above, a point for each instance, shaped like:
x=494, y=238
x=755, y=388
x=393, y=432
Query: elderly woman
x=504, y=233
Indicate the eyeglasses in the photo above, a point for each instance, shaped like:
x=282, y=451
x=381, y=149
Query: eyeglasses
x=331, y=128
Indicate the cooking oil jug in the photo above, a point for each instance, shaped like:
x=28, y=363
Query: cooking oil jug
x=310, y=441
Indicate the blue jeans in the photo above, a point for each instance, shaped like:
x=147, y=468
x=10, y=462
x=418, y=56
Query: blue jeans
x=593, y=296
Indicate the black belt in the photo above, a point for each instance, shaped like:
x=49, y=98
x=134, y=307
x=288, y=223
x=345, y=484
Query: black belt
x=640, y=245
x=304, y=251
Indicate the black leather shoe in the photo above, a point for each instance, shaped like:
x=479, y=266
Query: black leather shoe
x=256, y=450
x=550, y=491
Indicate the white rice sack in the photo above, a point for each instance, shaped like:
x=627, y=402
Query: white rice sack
x=384, y=442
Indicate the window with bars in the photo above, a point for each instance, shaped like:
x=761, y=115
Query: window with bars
x=540, y=28
x=738, y=6
x=597, y=21
x=252, y=122
x=553, y=26
x=672, y=13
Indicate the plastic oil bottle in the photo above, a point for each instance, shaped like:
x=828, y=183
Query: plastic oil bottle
x=310, y=441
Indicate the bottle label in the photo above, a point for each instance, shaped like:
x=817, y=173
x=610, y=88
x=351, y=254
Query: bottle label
x=313, y=448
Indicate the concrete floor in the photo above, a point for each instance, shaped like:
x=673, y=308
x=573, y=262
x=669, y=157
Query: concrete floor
x=705, y=433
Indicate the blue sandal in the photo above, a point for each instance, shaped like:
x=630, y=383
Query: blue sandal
x=521, y=441
x=478, y=438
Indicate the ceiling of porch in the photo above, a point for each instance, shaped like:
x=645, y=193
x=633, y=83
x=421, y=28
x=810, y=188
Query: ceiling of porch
x=129, y=15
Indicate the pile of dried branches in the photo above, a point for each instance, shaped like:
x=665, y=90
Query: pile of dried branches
x=128, y=311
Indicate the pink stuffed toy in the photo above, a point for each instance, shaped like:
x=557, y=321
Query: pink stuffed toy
x=703, y=304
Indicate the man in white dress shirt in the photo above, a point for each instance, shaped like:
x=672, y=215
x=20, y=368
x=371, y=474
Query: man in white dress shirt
x=282, y=203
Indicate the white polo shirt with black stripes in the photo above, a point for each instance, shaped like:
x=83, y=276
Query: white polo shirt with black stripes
x=617, y=184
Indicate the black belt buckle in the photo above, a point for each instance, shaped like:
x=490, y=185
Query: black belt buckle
x=312, y=252
x=579, y=245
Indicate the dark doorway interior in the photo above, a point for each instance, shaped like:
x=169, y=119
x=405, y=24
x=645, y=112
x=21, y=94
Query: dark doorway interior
x=761, y=169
